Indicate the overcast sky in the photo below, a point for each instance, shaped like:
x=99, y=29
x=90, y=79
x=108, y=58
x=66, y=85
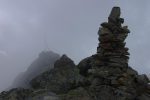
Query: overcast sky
x=28, y=27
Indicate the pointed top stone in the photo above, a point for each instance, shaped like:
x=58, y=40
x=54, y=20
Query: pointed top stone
x=114, y=16
x=115, y=13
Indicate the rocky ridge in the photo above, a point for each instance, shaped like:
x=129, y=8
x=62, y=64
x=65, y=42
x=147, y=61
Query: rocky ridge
x=103, y=76
x=44, y=62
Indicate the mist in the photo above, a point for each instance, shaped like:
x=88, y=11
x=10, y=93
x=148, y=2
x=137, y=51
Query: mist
x=70, y=27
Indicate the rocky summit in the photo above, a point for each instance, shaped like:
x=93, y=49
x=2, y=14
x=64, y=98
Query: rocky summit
x=44, y=62
x=105, y=75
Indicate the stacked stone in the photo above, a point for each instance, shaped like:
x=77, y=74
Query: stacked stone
x=112, y=35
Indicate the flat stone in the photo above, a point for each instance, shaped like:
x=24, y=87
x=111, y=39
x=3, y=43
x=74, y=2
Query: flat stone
x=103, y=31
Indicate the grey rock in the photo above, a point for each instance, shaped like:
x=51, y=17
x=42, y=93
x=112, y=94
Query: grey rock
x=62, y=78
x=115, y=14
x=144, y=97
x=104, y=31
x=43, y=95
x=142, y=79
x=84, y=65
x=77, y=94
x=15, y=94
x=132, y=72
x=105, y=92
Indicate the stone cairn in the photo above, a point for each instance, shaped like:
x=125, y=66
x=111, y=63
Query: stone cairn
x=112, y=35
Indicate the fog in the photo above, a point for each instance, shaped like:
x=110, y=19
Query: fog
x=28, y=27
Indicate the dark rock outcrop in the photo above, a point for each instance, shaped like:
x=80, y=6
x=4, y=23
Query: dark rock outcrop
x=62, y=78
x=103, y=76
x=16, y=94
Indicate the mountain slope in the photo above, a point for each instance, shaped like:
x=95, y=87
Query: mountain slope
x=44, y=62
x=105, y=75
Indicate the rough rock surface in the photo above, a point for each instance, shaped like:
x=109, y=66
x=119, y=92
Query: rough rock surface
x=103, y=76
x=15, y=94
x=62, y=78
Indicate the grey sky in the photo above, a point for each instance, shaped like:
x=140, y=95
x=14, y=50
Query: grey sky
x=67, y=26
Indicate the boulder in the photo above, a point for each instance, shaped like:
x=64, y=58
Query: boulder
x=77, y=94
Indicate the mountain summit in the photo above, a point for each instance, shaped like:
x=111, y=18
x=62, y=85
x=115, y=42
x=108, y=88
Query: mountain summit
x=105, y=75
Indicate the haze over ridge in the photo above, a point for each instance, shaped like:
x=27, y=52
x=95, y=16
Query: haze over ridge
x=69, y=27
